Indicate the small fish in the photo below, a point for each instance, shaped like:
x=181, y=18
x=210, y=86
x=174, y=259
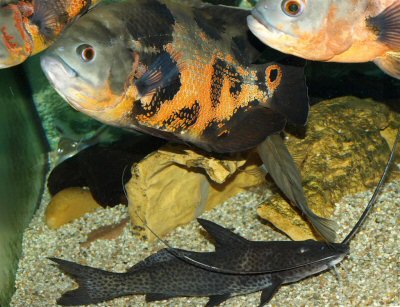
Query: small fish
x=30, y=26
x=166, y=69
x=332, y=30
x=237, y=266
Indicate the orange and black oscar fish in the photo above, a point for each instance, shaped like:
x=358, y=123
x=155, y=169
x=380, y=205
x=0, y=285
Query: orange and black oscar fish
x=172, y=70
x=30, y=26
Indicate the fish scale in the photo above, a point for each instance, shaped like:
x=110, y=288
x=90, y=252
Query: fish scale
x=194, y=88
x=28, y=27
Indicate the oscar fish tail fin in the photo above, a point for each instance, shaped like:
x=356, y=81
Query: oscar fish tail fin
x=286, y=83
x=95, y=285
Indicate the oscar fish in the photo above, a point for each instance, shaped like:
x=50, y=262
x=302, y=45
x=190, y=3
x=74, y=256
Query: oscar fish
x=332, y=30
x=30, y=26
x=237, y=266
x=177, y=72
x=162, y=68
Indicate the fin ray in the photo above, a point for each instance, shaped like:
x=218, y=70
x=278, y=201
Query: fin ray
x=163, y=72
x=390, y=64
x=387, y=25
x=222, y=236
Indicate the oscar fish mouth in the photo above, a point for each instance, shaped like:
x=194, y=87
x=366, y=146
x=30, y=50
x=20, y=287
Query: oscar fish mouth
x=257, y=17
x=62, y=77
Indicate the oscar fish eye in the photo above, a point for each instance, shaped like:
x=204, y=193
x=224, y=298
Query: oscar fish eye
x=293, y=8
x=86, y=52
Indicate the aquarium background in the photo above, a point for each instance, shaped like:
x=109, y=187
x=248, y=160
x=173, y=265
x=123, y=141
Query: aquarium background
x=33, y=119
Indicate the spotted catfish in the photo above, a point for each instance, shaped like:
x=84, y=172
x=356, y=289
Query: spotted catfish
x=163, y=68
x=28, y=27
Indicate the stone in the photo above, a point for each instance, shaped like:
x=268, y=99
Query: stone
x=175, y=184
x=68, y=205
x=344, y=152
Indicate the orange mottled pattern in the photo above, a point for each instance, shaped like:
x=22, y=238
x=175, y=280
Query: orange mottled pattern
x=195, y=93
x=34, y=40
x=18, y=50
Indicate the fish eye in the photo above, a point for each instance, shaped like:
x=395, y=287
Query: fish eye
x=293, y=8
x=86, y=52
x=302, y=250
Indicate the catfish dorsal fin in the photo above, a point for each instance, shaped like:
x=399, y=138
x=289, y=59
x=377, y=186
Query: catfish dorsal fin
x=387, y=25
x=222, y=236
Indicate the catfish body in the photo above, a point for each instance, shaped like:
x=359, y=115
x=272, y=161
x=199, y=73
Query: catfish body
x=168, y=69
x=30, y=26
x=164, y=275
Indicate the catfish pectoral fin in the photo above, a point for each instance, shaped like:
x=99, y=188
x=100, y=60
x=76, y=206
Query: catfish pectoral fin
x=268, y=293
x=153, y=297
x=215, y=300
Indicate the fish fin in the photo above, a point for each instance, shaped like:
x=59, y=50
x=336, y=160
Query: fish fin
x=94, y=284
x=215, y=300
x=283, y=170
x=163, y=72
x=387, y=25
x=222, y=236
x=390, y=64
x=153, y=297
x=268, y=293
x=289, y=94
x=244, y=130
x=161, y=256
x=48, y=17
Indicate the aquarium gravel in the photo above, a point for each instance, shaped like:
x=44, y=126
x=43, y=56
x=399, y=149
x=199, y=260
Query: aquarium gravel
x=369, y=276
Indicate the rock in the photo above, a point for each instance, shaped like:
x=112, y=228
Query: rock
x=174, y=185
x=344, y=152
x=68, y=205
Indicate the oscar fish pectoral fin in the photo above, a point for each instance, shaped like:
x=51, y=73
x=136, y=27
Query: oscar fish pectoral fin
x=390, y=64
x=387, y=25
x=163, y=72
x=247, y=128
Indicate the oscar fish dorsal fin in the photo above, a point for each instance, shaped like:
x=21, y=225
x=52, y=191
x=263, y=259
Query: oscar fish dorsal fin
x=387, y=25
x=223, y=237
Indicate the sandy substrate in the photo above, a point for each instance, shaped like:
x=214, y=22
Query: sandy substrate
x=370, y=276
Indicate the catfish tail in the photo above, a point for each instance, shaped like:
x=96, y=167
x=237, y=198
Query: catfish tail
x=95, y=285
x=283, y=170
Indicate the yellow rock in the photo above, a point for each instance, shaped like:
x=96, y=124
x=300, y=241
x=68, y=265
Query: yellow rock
x=344, y=152
x=69, y=204
x=174, y=185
